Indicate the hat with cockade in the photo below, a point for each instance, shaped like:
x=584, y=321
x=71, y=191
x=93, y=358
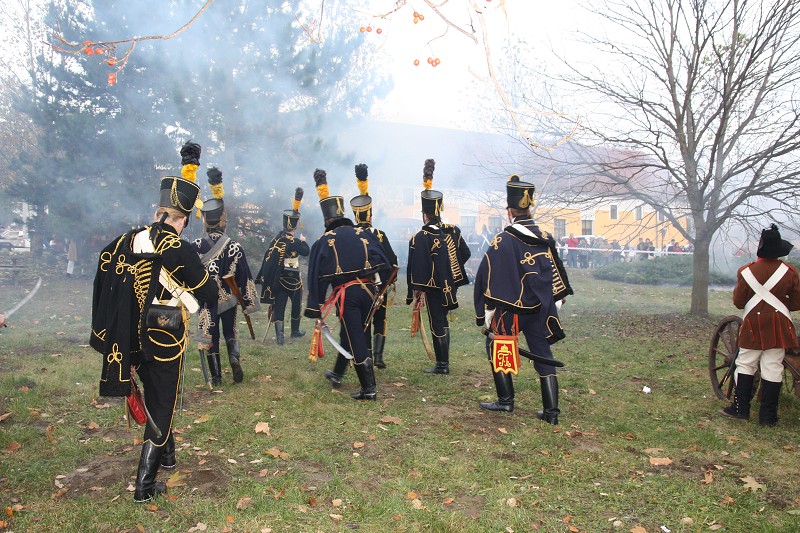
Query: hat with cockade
x=432, y=201
x=291, y=217
x=214, y=207
x=182, y=192
x=362, y=204
x=520, y=194
x=332, y=206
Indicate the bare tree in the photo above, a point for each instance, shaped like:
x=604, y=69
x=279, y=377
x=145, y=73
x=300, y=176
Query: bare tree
x=701, y=119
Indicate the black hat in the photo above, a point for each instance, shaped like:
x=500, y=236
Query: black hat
x=332, y=206
x=181, y=193
x=771, y=246
x=520, y=194
x=178, y=193
x=291, y=217
x=362, y=204
x=213, y=208
x=432, y=201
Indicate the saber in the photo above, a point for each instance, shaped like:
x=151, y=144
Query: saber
x=378, y=301
x=270, y=312
x=24, y=300
x=525, y=353
x=204, y=368
x=238, y=294
x=326, y=332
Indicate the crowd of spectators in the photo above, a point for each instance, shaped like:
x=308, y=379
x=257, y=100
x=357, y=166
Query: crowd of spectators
x=593, y=252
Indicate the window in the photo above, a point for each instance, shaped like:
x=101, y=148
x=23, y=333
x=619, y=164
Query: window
x=638, y=212
x=586, y=227
x=560, y=228
x=408, y=196
x=612, y=212
x=495, y=225
x=468, y=224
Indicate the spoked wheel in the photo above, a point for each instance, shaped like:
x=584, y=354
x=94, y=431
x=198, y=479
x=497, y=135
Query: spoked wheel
x=721, y=355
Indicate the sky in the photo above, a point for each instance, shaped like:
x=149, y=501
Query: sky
x=440, y=96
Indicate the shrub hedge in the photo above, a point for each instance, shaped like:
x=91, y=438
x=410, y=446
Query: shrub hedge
x=673, y=270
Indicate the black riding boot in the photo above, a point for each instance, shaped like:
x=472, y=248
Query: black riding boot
x=366, y=377
x=770, y=394
x=336, y=375
x=215, y=367
x=279, y=338
x=742, y=394
x=168, y=453
x=378, y=341
x=147, y=487
x=233, y=358
x=549, y=400
x=441, y=347
x=296, y=333
x=505, y=393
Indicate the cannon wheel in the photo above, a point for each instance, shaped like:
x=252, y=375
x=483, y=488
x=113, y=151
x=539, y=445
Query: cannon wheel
x=721, y=354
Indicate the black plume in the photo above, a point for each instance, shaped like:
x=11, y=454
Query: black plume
x=320, y=177
x=298, y=194
x=214, y=176
x=361, y=172
x=427, y=170
x=190, y=153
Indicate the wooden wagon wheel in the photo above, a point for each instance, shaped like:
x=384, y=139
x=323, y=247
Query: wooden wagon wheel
x=721, y=355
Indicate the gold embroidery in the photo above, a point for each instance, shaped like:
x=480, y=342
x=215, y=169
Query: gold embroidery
x=496, y=242
x=436, y=244
x=332, y=244
x=365, y=242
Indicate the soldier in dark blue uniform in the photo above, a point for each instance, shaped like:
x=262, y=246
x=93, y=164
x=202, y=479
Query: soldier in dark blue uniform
x=362, y=211
x=436, y=258
x=147, y=282
x=279, y=276
x=347, y=259
x=224, y=257
x=521, y=276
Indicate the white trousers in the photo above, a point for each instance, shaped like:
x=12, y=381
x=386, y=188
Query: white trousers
x=70, y=267
x=770, y=362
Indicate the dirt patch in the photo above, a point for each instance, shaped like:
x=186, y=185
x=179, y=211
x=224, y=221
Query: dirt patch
x=102, y=475
x=316, y=474
x=468, y=505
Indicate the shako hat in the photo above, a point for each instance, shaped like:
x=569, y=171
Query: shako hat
x=432, y=201
x=182, y=192
x=362, y=204
x=771, y=246
x=520, y=194
x=214, y=207
x=291, y=217
x=332, y=206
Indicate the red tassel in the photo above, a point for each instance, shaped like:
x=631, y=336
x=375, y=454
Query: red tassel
x=315, y=350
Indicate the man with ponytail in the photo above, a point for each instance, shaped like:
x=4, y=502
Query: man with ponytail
x=362, y=210
x=520, y=284
x=345, y=259
x=148, y=282
x=436, y=258
x=224, y=257
x=279, y=278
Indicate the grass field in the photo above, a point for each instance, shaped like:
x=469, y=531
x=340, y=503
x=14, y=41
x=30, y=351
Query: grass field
x=424, y=457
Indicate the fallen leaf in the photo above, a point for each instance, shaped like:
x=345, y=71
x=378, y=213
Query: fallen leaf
x=503, y=431
x=199, y=527
x=511, y=502
x=708, y=477
x=4, y=416
x=202, y=419
x=567, y=519
x=751, y=484
x=358, y=445
x=592, y=391
x=60, y=493
x=176, y=480
x=336, y=517
x=244, y=503
x=312, y=501
x=726, y=501
x=390, y=420
x=411, y=495
x=714, y=527
x=229, y=519
x=416, y=503
x=275, y=452
x=233, y=461
x=151, y=507
x=93, y=425
x=14, y=446
x=448, y=501
x=653, y=451
x=660, y=461
x=102, y=405
x=638, y=529
x=336, y=502
x=262, y=427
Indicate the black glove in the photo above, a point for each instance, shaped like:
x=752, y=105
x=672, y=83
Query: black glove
x=190, y=153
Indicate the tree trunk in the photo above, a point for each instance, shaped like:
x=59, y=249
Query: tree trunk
x=700, y=279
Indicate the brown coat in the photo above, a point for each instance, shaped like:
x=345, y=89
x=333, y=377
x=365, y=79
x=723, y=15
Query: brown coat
x=764, y=327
